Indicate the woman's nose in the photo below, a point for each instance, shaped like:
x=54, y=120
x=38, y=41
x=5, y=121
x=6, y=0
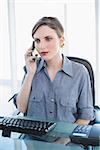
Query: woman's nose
x=42, y=45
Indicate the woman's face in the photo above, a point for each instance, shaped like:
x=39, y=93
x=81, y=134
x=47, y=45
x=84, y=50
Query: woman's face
x=47, y=42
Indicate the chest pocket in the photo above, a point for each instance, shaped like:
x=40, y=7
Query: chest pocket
x=36, y=98
x=68, y=104
x=36, y=105
x=36, y=94
x=67, y=109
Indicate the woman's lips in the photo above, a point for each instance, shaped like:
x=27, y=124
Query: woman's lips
x=43, y=53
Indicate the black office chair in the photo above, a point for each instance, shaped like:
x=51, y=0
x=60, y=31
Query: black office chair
x=87, y=64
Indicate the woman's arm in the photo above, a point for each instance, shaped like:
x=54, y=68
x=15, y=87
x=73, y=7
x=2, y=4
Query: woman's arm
x=23, y=95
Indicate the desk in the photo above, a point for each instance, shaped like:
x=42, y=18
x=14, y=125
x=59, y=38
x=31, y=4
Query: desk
x=15, y=144
x=62, y=129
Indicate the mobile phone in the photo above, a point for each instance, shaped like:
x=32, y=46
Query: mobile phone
x=33, y=46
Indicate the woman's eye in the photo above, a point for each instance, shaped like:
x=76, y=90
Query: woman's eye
x=48, y=38
x=37, y=40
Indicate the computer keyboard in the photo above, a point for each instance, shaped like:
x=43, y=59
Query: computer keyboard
x=27, y=126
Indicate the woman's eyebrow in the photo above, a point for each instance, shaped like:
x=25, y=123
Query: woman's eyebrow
x=48, y=36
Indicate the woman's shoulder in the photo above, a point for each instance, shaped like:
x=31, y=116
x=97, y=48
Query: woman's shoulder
x=77, y=65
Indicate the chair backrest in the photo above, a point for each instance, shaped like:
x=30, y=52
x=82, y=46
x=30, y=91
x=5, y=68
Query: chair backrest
x=87, y=64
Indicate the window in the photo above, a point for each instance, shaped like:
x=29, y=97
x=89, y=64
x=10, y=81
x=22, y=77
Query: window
x=5, y=73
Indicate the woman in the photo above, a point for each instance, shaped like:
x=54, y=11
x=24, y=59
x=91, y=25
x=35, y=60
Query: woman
x=54, y=87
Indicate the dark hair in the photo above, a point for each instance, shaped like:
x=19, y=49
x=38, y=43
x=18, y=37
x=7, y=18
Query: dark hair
x=51, y=22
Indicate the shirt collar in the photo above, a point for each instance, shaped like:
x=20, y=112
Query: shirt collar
x=41, y=64
x=66, y=67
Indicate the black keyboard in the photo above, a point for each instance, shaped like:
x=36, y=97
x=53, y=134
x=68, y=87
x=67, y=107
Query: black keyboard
x=27, y=126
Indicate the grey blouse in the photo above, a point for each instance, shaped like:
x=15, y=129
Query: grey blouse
x=67, y=98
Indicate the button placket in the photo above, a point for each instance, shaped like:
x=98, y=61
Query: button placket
x=51, y=108
x=52, y=99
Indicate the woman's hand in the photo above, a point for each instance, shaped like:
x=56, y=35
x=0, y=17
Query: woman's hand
x=82, y=121
x=62, y=140
x=30, y=61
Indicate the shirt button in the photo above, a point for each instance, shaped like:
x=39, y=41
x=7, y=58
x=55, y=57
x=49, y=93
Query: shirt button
x=52, y=100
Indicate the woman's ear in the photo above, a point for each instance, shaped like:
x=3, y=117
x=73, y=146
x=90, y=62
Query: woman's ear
x=62, y=39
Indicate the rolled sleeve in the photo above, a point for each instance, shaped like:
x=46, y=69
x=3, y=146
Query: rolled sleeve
x=86, y=113
x=15, y=95
x=85, y=104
